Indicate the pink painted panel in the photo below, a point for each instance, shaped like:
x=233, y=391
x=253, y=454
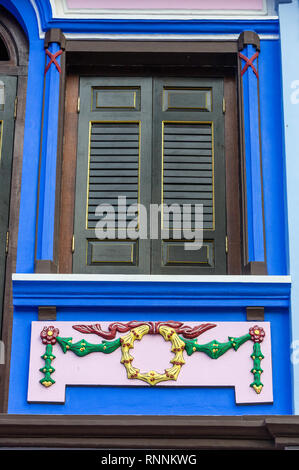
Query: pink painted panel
x=151, y=353
x=167, y=4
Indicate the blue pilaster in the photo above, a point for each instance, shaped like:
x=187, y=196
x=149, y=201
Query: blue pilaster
x=46, y=214
x=253, y=160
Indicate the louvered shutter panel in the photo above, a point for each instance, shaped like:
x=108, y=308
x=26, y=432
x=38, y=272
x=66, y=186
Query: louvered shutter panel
x=8, y=87
x=113, y=160
x=113, y=168
x=189, y=168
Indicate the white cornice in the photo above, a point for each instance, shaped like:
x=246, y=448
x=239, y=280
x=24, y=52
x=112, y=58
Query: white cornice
x=62, y=11
x=59, y=12
x=40, y=31
x=151, y=278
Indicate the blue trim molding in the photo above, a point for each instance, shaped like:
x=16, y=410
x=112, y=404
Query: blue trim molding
x=270, y=27
x=129, y=294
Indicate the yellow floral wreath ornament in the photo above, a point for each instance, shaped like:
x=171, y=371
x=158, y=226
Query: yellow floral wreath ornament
x=152, y=377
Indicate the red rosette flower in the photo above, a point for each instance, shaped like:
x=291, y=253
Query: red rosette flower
x=257, y=334
x=49, y=334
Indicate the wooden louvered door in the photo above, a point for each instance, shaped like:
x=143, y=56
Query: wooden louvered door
x=113, y=160
x=153, y=141
x=189, y=168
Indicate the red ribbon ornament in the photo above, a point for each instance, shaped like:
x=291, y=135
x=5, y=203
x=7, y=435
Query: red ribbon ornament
x=53, y=60
x=249, y=63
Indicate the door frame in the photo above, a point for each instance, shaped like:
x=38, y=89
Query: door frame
x=232, y=154
x=18, y=49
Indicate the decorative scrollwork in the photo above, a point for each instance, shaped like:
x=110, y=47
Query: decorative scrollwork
x=136, y=330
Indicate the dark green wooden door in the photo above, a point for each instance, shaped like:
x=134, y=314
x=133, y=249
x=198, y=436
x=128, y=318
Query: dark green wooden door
x=152, y=141
x=189, y=175
x=7, y=104
x=113, y=160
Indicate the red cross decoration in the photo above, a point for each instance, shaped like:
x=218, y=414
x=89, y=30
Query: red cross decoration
x=53, y=60
x=249, y=63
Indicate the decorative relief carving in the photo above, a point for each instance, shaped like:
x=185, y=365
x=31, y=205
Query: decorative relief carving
x=48, y=336
x=53, y=60
x=135, y=331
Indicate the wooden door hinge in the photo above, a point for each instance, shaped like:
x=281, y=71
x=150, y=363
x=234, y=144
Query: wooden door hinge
x=223, y=106
x=15, y=108
x=78, y=105
x=7, y=242
x=73, y=244
x=226, y=244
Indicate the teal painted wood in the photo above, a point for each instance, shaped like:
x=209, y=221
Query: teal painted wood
x=122, y=151
x=190, y=169
x=6, y=152
x=113, y=159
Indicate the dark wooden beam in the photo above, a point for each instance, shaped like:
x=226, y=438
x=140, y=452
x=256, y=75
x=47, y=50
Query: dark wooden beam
x=156, y=47
x=44, y=266
x=256, y=268
x=149, y=432
x=255, y=313
x=55, y=35
x=46, y=312
x=249, y=37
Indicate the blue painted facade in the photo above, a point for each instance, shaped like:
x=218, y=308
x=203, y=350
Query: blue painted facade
x=222, y=300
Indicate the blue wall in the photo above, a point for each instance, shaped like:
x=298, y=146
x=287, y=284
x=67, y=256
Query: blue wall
x=273, y=157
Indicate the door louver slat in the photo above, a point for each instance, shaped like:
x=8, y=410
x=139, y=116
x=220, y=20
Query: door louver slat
x=184, y=179
x=114, y=166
